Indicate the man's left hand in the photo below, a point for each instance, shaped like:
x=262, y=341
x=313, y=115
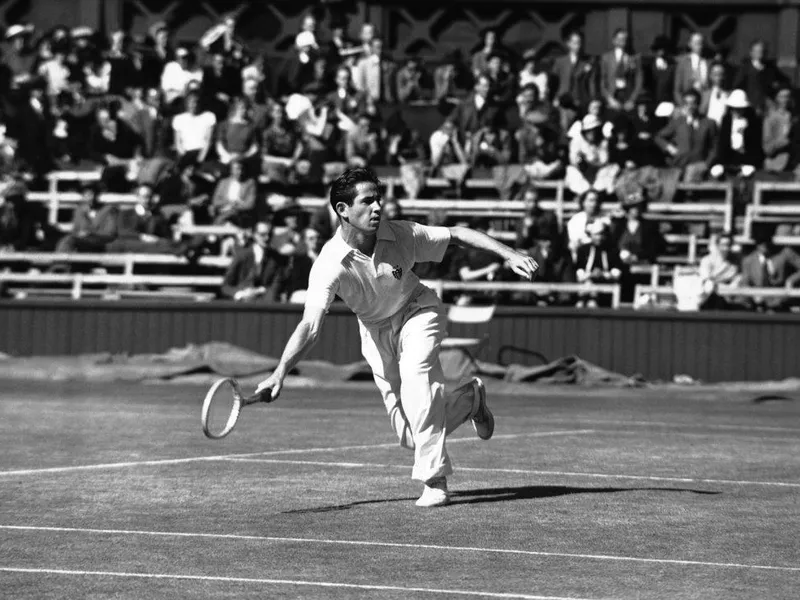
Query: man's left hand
x=523, y=265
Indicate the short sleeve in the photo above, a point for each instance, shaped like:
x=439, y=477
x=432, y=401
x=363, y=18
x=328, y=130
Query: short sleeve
x=323, y=284
x=430, y=243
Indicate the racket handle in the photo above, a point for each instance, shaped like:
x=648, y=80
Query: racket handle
x=262, y=396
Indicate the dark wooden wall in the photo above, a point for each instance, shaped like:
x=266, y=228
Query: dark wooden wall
x=709, y=346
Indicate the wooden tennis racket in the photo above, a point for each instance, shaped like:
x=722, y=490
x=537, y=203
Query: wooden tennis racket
x=223, y=404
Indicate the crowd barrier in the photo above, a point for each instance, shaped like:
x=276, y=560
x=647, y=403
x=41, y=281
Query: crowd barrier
x=724, y=291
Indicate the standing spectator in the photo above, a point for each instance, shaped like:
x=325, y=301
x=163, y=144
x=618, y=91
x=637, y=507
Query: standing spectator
x=20, y=57
x=620, y=74
x=638, y=240
x=235, y=197
x=779, y=125
x=659, y=71
x=535, y=223
x=221, y=39
x=739, y=147
x=720, y=267
x=590, y=204
x=532, y=73
x=480, y=59
x=476, y=111
x=281, y=147
x=194, y=130
x=237, y=137
x=713, y=101
x=56, y=73
x=161, y=38
x=769, y=267
x=300, y=70
x=411, y=84
x=257, y=105
x=589, y=162
x=362, y=145
x=255, y=270
x=690, y=140
x=643, y=129
x=178, y=75
x=22, y=223
x=375, y=76
x=121, y=75
x=321, y=82
x=576, y=73
x=33, y=129
x=597, y=262
x=759, y=78
x=502, y=86
x=113, y=144
x=691, y=70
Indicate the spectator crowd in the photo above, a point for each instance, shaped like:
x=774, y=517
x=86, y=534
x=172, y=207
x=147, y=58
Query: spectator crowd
x=210, y=133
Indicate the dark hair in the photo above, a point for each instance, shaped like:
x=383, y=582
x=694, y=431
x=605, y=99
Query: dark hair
x=692, y=92
x=343, y=188
x=584, y=195
x=573, y=33
x=619, y=30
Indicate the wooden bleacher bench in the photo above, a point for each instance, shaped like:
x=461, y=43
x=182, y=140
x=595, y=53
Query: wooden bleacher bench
x=725, y=291
x=127, y=262
x=440, y=286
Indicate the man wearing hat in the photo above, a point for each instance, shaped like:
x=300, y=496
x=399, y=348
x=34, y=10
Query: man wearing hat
x=18, y=56
x=739, y=147
x=576, y=72
x=659, y=70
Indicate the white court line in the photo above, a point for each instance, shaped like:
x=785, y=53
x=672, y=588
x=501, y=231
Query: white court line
x=332, y=542
x=567, y=421
x=177, y=461
x=354, y=465
x=297, y=582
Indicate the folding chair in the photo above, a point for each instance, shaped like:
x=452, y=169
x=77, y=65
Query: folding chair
x=473, y=315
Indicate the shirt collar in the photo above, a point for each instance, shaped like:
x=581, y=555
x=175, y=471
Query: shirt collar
x=341, y=249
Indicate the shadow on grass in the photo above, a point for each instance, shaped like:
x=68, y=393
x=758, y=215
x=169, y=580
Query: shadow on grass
x=772, y=398
x=503, y=494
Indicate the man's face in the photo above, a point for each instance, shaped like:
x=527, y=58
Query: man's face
x=311, y=239
x=724, y=247
x=218, y=62
x=696, y=43
x=757, y=52
x=764, y=248
x=690, y=104
x=717, y=76
x=261, y=234
x=494, y=65
x=377, y=48
x=365, y=213
x=391, y=211
x=103, y=117
x=309, y=23
x=621, y=40
x=367, y=33
x=144, y=196
x=531, y=200
x=575, y=44
x=783, y=99
x=343, y=78
x=482, y=87
x=489, y=39
x=250, y=88
x=152, y=97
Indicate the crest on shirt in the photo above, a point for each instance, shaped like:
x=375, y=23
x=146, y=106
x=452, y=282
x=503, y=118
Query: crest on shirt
x=397, y=273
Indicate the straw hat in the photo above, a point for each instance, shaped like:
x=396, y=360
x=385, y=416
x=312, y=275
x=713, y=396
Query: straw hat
x=18, y=30
x=738, y=99
x=590, y=122
x=297, y=105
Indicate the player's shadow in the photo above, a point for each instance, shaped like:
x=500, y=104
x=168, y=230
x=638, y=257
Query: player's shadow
x=504, y=494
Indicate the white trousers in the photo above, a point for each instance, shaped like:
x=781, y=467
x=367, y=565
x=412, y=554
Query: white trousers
x=403, y=352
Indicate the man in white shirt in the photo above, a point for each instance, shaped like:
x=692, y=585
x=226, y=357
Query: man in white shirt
x=374, y=76
x=692, y=69
x=714, y=100
x=178, y=74
x=368, y=264
x=194, y=130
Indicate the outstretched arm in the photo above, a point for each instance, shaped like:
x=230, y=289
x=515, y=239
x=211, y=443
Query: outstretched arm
x=521, y=264
x=303, y=339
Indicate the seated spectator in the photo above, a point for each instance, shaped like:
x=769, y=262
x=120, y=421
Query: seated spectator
x=476, y=110
x=446, y=148
x=589, y=165
x=325, y=221
x=590, y=204
x=406, y=147
x=316, y=133
x=235, y=197
x=502, y=85
x=770, y=267
x=475, y=265
x=300, y=265
x=739, y=145
x=258, y=105
x=113, y=144
x=538, y=147
x=288, y=241
x=644, y=128
x=489, y=147
x=690, y=140
x=178, y=75
x=56, y=73
x=254, y=271
x=221, y=83
x=445, y=270
x=94, y=225
x=411, y=83
x=362, y=145
x=142, y=113
x=375, y=76
x=779, y=126
x=555, y=266
x=345, y=98
x=143, y=229
x=597, y=262
x=450, y=79
x=532, y=73
x=714, y=100
x=194, y=130
x=480, y=59
x=183, y=197
x=759, y=77
x=659, y=71
x=237, y=137
x=576, y=73
x=97, y=74
x=720, y=267
x=638, y=240
x=281, y=147
x=23, y=224
x=535, y=222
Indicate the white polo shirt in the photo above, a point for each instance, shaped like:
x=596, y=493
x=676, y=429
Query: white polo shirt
x=375, y=287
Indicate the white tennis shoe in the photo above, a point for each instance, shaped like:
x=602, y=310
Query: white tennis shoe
x=435, y=494
x=482, y=419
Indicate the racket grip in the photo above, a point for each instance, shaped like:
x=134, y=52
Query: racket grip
x=262, y=396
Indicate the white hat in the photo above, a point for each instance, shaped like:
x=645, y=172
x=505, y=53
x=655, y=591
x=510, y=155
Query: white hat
x=597, y=226
x=738, y=99
x=590, y=122
x=17, y=30
x=665, y=110
x=181, y=51
x=304, y=39
x=82, y=32
x=296, y=105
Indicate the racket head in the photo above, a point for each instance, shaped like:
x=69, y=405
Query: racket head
x=221, y=408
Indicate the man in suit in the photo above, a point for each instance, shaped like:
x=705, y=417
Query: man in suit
x=576, y=72
x=476, y=111
x=345, y=98
x=375, y=76
x=659, y=70
x=691, y=70
x=714, y=100
x=739, y=145
x=255, y=270
x=759, y=78
x=221, y=83
x=689, y=139
x=770, y=267
x=621, y=79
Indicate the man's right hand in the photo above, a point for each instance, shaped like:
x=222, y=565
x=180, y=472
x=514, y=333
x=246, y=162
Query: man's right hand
x=274, y=383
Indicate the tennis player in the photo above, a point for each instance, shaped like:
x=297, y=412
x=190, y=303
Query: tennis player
x=368, y=265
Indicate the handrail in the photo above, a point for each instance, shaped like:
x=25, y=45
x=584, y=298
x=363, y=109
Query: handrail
x=440, y=286
x=749, y=292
